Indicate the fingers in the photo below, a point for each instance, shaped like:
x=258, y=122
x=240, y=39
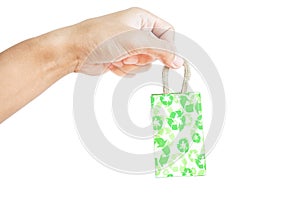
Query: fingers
x=140, y=59
x=145, y=43
x=148, y=56
x=129, y=70
x=145, y=59
x=118, y=71
x=132, y=60
x=164, y=31
x=159, y=27
x=137, y=42
x=148, y=44
x=166, y=57
x=118, y=64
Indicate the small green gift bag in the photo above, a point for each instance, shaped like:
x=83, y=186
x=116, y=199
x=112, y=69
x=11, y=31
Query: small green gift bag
x=178, y=131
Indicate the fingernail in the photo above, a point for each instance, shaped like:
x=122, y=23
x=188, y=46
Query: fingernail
x=131, y=60
x=177, y=62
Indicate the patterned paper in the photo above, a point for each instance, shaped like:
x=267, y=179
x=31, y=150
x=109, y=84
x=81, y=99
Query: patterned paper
x=178, y=134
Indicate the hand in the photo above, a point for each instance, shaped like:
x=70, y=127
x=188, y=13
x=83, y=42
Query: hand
x=124, y=42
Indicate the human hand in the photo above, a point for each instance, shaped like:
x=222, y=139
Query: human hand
x=124, y=42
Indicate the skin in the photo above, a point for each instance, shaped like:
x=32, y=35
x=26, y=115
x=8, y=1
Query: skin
x=30, y=67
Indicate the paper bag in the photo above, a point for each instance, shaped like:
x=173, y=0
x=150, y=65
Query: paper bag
x=178, y=131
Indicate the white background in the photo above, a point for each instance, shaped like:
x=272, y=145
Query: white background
x=255, y=45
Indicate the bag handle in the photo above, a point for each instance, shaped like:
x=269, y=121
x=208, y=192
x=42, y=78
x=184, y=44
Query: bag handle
x=187, y=75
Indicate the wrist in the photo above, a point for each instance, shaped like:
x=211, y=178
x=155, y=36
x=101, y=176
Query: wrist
x=58, y=51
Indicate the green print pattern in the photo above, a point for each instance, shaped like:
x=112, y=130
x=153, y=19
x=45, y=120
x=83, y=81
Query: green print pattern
x=178, y=134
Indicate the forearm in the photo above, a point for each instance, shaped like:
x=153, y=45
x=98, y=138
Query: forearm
x=30, y=67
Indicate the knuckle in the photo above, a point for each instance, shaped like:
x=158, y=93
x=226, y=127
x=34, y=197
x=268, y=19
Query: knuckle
x=171, y=27
x=136, y=9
